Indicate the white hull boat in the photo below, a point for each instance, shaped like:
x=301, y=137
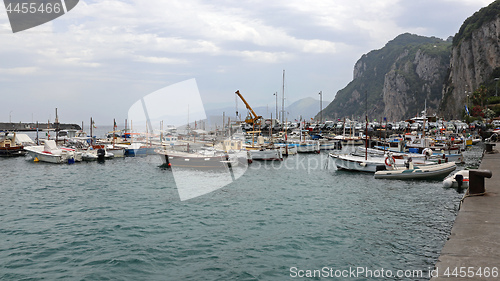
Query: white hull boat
x=358, y=163
x=457, y=158
x=287, y=149
x=265, y=154
x=417, y=172
x=91, y=155
x=328, y=144
x=372, y=163
x=458, y=180
x=118, y=152
x=198, y=160
x=50, y=153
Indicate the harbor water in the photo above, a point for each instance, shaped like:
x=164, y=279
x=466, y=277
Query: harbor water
x=123, y=220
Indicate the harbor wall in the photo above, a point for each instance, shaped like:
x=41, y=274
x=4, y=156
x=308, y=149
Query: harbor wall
x=472, y=250
x=9, y=126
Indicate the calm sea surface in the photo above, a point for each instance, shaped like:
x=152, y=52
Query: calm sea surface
x=123, y=220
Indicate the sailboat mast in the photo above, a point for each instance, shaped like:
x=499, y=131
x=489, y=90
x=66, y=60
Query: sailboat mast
x=91, y=133
x=283, y=101
x=366, y=125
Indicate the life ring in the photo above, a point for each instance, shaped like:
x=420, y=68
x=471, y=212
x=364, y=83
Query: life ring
x=427, y=152
x=390, y=164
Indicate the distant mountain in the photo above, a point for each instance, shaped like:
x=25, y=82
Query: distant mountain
x=306, y=108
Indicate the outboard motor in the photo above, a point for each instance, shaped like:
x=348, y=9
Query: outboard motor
x=100, y=155
x=460, y=180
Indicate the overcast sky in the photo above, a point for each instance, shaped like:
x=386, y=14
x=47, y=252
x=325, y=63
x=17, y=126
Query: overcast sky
x=103, y=56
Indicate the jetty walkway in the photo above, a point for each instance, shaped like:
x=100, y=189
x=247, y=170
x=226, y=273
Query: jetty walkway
x=472, y=251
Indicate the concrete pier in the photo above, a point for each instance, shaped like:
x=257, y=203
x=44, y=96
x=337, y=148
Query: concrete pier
x=472, y=251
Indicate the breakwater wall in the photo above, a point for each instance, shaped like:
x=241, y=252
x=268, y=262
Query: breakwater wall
x=20, y=127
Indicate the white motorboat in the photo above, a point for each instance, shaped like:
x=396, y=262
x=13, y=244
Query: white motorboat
x=371, y=163
x=416, y=172
x=358, y=163
x=88, y=155
x=49, y=152
x=436, y=156
x=203, y=159
x=92, y=154
x=458, y=180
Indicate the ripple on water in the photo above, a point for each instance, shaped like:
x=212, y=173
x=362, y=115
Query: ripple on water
x=124, y=220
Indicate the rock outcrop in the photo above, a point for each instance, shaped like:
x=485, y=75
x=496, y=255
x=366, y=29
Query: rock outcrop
x=396, y=80
x=475, y=60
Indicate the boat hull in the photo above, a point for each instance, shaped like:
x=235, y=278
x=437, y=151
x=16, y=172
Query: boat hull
x=45, y=157
x=288, y=149
x=117, y=152
x=12, y=151
x=424, y=172
x=266, y=154
x=195, y=161
x=451, y=181
x=344, y=162
x=309, y=146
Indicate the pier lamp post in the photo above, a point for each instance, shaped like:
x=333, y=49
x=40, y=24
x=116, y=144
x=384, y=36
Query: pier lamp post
x=496, y=87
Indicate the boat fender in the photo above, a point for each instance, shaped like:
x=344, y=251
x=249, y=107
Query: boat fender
x=427, y=152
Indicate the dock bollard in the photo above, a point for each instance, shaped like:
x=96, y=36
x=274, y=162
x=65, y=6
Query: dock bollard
x=489, y=147
x=476, y=181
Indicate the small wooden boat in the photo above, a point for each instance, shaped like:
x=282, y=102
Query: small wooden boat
x=416, y=172
x=265, y=154
x=263, y=151
x=10, y=147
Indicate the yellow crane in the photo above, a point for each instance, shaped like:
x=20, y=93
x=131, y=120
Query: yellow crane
x=252, y=117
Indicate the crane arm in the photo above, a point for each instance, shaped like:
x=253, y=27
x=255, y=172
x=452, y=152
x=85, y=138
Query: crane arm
x=254, y=115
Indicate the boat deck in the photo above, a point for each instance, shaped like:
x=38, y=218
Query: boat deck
x=474, y=242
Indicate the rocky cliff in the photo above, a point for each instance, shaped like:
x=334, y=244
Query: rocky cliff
x=410, y=70
x=396, y=80
x=475, y=59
